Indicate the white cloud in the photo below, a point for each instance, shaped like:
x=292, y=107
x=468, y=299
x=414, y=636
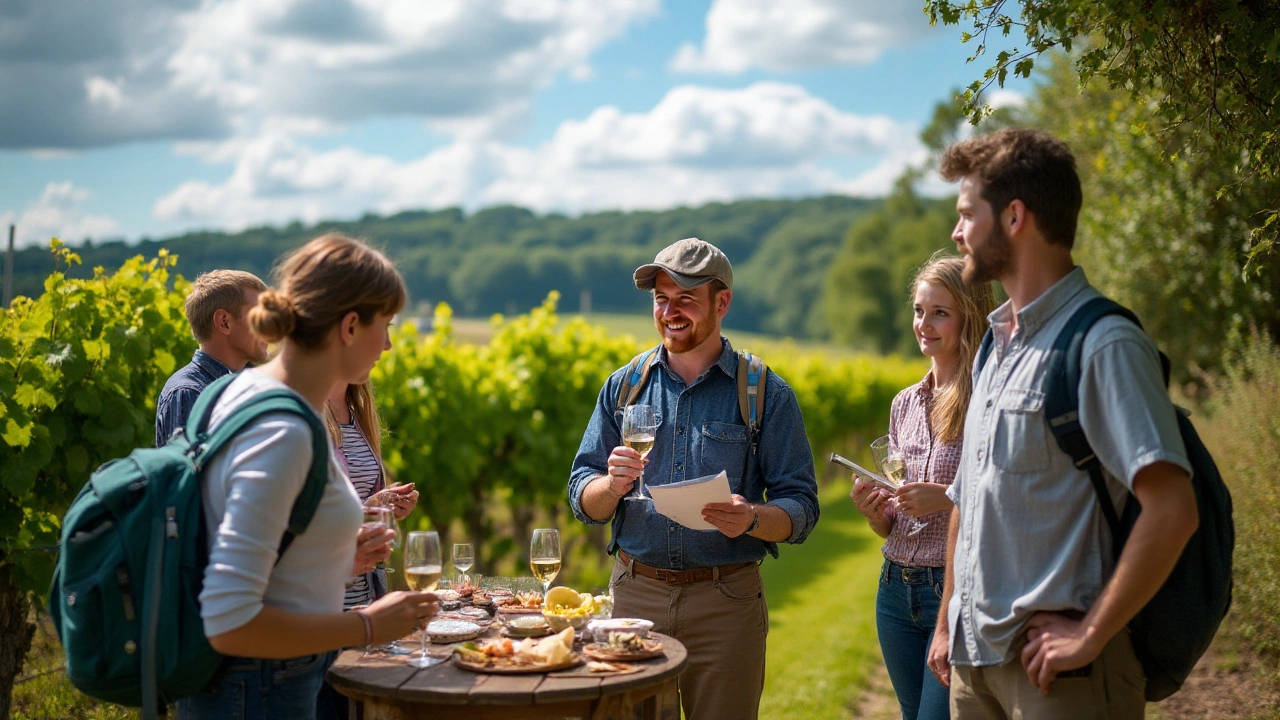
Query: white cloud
x=58, y=213
x=1004, y=98
x=784, y=35
x=696, y=145
x=205, y=70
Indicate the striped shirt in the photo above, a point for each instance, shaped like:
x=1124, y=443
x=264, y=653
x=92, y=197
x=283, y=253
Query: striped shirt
x=928, y=459
x=364, y=471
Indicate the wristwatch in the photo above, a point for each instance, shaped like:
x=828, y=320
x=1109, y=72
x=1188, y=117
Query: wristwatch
x=755, y=521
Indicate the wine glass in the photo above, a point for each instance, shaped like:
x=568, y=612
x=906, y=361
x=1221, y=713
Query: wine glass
x=383, y=517
x=639, y=429
x=422, y=570
x=464, y=557
x=544, y=556
x=893, y=467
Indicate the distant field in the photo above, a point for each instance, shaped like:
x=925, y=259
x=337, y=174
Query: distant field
x=640, y=327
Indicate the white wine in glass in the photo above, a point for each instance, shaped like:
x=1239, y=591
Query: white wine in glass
x=422, y=570
x=639, y=431
x=895, y=469
x=544, y=556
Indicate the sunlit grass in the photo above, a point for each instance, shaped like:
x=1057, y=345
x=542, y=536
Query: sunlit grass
x=49, y=695
x=822, y=636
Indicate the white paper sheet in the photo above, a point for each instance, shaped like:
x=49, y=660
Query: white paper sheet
x=683, y=501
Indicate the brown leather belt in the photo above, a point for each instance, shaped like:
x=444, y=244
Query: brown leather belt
x=678, y=577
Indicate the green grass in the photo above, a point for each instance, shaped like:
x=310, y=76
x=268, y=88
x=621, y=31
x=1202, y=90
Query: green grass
x=822, y=629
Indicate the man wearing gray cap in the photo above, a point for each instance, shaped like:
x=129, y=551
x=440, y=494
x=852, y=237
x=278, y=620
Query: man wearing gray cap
x=702, y=587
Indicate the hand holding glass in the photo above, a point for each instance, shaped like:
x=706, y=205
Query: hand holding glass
x=544, y=556
x=639, y=430
x=380, y=517
x=422, y=570
x=895, y=470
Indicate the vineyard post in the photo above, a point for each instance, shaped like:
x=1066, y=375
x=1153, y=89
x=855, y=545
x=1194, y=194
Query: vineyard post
x=8, y=270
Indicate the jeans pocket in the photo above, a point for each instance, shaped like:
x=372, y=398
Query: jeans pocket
x=618, y=576
x=937, y=590
x=285, y=670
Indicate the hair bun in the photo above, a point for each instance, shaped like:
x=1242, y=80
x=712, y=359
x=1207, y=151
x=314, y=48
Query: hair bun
x=274, y=318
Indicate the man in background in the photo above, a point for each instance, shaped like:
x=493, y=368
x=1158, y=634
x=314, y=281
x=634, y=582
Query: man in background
x=217, y=309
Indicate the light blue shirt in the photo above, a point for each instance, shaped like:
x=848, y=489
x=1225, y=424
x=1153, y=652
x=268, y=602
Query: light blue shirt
x=701, y=433
x=1032, y=535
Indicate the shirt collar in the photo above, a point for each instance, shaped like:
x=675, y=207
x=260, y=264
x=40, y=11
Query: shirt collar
x=924, y=388
x=1032, y=317
x=728, y=361
x=210, y=364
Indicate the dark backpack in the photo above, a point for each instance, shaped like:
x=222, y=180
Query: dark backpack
x=752, y=373
x=1176, y=627
x=126, y=588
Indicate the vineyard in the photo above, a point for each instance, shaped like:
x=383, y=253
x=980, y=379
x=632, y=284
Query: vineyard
x=486, y=432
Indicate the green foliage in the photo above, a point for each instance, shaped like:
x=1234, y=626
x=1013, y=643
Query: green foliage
x=1155, y=231
x=507, y=259
x=1243, y=432
x=82, y=367
x=1211, y=70
x=866, y=296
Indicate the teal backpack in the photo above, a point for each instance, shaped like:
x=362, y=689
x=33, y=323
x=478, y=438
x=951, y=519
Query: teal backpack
x=126, y=588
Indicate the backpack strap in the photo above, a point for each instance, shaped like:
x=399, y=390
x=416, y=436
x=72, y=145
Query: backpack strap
x=204, y=446
x=751, y=380
x=1062, y=399
x=636, y=377
x=984, y=350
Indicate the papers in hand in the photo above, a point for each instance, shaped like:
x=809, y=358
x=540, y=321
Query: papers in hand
x=683, y=501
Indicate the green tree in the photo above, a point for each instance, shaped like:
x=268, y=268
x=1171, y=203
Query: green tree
x=1155, y=232
x=1210, y=69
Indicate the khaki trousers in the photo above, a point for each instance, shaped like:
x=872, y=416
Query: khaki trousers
x=1112, y=689
x=722, y=622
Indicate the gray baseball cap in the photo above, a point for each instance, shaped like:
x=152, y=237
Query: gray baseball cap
x=690, y=263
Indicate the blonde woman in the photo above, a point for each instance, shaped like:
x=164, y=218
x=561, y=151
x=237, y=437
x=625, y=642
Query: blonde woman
x=925, y=425
x=279, y=622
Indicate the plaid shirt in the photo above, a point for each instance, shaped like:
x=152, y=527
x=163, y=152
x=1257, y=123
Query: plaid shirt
x=928, y=459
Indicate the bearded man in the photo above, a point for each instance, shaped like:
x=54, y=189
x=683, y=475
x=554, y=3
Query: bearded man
x=701, y=587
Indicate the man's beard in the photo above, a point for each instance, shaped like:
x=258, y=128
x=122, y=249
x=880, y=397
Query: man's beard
x=993, y=261
x=698, y=332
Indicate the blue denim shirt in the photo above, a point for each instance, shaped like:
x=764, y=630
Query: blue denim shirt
x=181, y=390
x=701, y=433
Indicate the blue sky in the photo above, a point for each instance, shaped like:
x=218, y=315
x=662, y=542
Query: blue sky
x=133, y=118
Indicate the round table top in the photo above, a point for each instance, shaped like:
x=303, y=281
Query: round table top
x=377, y=675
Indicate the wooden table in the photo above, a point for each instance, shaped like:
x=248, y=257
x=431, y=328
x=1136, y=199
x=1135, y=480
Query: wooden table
x=389, y=689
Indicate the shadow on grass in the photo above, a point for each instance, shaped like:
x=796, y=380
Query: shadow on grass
x=836, y=535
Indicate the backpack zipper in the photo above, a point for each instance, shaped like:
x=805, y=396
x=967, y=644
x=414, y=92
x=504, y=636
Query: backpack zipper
x=122, y=579
x=171, y=522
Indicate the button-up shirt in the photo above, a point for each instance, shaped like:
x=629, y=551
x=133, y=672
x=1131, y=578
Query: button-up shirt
x=700, y=433
x=1032, y=536
x=181, y=390
x=928, y=459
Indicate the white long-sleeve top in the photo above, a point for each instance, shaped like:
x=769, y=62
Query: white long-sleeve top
x=249, y=488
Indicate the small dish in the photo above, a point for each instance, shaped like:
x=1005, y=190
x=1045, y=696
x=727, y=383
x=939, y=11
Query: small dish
x=559, y=622
x=451, y=631
x=602, y=629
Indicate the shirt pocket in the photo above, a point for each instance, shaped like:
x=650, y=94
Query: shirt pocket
x=724, y=447
x=1021, y=442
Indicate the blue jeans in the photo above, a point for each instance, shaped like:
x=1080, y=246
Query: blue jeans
x=906, y=612
x=253, y=689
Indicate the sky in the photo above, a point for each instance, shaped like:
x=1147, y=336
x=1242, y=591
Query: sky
x=147, y=118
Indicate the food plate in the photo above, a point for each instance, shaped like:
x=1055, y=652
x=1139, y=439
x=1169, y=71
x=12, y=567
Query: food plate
x=611, y=668
x=607, y=653
x=451, y=631
x=507, y=666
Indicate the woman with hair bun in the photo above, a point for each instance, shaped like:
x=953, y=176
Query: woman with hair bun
x=280, y=623
x=926, y=423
